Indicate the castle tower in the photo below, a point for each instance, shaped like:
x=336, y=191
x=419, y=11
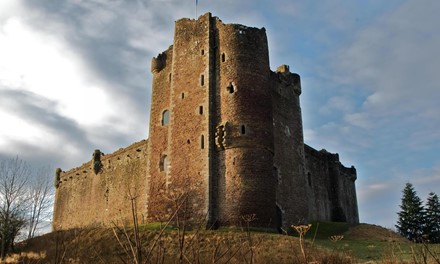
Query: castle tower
x=211, y=122
x=244, y=142
x=179, y=121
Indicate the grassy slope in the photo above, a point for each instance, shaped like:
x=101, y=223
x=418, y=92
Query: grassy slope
x=360, y=243
x=366, y=242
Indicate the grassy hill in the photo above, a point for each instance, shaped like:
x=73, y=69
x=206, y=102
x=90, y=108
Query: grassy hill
x=323, y=243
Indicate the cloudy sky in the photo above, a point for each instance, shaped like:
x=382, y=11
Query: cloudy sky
x=74, y=76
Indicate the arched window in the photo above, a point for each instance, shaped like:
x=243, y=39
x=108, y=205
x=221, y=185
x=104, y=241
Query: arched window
x=223, y=57
x=165, y=117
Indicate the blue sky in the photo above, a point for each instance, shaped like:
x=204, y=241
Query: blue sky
x=74, y=76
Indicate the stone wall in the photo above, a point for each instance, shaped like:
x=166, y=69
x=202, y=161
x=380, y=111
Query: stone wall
x=85, y=198
x=332, y=193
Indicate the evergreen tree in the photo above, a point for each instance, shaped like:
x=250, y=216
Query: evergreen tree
x=411, y=217
x=432, y=218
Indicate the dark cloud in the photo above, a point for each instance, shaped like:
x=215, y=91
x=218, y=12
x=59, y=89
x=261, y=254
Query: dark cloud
x=37, y=110
x=69, y=144
x=65, y=133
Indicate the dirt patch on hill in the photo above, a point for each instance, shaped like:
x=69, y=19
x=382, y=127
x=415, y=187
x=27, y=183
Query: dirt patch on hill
x=373, y=232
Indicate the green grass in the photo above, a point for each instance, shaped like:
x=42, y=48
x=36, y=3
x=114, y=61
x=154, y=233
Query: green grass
x=324, y=230
x=376, y=244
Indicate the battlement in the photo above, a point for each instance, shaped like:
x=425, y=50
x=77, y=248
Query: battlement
x=132, y=151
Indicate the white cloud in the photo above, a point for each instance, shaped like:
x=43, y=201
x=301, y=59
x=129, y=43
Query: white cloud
x=338, y=103
x=43, y=65
x=40, y=63
x=378, y=202
x=396, y=60
x=309, y=135
x=374, y=189
x=19, y=130
x=358, y=119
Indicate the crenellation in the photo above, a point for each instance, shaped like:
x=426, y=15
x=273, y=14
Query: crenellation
x=225, y=133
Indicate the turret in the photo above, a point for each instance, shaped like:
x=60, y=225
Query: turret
x=292, y=196
x=244, y=126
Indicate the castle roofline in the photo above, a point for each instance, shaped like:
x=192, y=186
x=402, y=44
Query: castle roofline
x=209, y=15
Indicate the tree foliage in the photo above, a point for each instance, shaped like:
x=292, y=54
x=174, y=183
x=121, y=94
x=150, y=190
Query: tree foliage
x=410, y=223
x=417, y=222
x=432, y=218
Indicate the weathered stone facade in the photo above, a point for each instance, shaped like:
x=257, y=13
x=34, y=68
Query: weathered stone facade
x=85, y=197
x=225, y=130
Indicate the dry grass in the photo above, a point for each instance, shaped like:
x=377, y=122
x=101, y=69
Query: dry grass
x=228, y=245
x=368, y=232
x=225, y=246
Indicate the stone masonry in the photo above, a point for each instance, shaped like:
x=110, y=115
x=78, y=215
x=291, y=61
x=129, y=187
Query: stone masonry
x=225, y=132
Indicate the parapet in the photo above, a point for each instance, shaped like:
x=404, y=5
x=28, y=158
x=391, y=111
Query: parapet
x=158, y=63
x=349, y=172
x=287, y=79
x=96, y=164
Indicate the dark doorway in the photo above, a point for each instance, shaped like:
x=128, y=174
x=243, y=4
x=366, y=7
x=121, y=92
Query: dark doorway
x=279, y=219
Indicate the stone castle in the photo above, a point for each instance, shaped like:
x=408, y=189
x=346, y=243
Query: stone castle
x=224, y=129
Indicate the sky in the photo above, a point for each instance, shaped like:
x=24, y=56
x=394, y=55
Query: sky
x=75, y=76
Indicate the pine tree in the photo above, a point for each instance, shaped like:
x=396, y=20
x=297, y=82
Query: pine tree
x=432, y=218
x=411, y=217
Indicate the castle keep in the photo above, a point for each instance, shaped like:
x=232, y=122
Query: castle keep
x=226, y=131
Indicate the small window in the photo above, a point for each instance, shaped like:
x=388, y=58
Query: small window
x=223, y=57
x=309, y=179
x=203, y=52
x=183, y=95
x=230, y=88
x=169, y=77
x=243, y=129
x=202, y=142
x=163, y=163
x=201, y=110
x=202, y=80
x=165, y=117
